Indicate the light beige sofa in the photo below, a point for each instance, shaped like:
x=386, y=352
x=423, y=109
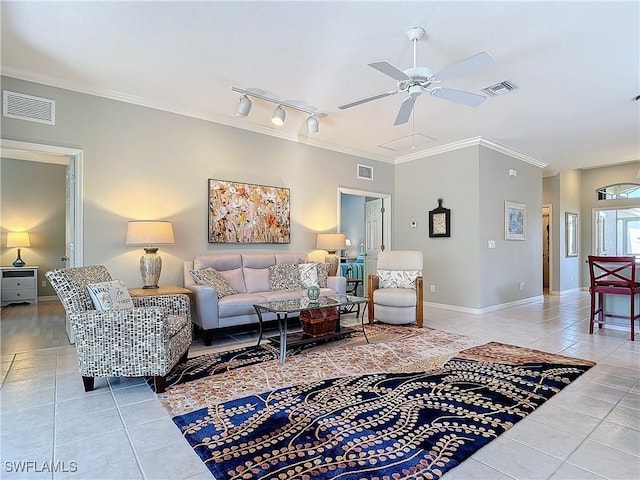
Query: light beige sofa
x=248, y=274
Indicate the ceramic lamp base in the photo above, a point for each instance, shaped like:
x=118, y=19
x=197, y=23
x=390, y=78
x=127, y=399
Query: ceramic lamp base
x=333, y=260
x=18, y=262
x=150, y=268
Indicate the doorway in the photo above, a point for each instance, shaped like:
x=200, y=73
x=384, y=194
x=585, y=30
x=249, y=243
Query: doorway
x=370, y=227
x=547, y=251
x=73, y=159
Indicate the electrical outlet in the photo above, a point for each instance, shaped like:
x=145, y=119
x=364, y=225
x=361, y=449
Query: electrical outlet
x=522, y=285
x=44, y=284
x=491, y=243
x=432, y=288
x=413, y=222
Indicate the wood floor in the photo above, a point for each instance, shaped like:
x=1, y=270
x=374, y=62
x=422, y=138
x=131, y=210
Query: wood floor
x=25, y=327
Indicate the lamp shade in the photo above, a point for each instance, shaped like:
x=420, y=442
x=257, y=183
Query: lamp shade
x=18, y=239
x=142, y=233
x=330, y=241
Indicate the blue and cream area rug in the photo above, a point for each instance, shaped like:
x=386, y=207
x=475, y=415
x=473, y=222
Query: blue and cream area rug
x=411, y=405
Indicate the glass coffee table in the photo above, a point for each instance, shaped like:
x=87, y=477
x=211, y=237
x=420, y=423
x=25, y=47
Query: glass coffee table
x=283, y=309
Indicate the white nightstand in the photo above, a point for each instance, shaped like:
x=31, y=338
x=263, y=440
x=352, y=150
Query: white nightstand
x=19, y=285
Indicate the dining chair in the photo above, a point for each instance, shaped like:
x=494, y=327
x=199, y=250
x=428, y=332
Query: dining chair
x=612, y=276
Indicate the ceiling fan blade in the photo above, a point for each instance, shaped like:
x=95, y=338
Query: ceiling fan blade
x=368, y=99
x=459, y=96
x=479, y=60
x=390, y=70
x=405, y=111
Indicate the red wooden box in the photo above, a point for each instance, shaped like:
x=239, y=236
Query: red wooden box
x=319, y=321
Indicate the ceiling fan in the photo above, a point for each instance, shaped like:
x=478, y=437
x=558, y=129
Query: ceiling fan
x=416, y=80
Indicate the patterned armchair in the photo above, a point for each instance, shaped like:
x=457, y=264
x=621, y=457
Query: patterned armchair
x=395, y=291
x=147, y=340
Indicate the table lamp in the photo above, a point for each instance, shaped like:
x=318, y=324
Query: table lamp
x=331, y=242
x=147, y=234
x=18, y=239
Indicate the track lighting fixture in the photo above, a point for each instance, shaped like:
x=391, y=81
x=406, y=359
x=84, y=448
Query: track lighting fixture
x=244, y=106
x=278, y=116
x=312, y=124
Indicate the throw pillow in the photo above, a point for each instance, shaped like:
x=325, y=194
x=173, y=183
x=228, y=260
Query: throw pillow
x=112, y=295
x=212, y=277
x=284, y=276
x=323, y=274
x=398, y=278
x=308, y=274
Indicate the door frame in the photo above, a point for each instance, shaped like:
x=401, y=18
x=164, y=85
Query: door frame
x=551, y=256
x=386, y=224
x=74, y=159
x=386, y=197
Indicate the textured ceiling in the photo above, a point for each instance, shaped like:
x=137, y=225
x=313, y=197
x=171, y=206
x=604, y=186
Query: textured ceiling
x=577, y=66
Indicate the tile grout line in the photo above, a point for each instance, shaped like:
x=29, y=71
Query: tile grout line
x=126, y=430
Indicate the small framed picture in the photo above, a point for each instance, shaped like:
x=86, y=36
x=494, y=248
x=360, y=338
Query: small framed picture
x=439, y=221
x=515, y=221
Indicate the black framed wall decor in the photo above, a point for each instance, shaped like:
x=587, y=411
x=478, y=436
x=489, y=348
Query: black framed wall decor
x=440, y=221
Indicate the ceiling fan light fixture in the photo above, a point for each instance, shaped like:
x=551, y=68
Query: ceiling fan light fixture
x=278, y=116
x=244, y=106
x=312, y=124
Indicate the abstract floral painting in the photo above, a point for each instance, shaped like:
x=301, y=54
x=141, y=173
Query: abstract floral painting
x=246, y=213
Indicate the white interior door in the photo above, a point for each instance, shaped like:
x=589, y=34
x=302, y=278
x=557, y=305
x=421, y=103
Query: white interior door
x=374, y=233
x=69, y=237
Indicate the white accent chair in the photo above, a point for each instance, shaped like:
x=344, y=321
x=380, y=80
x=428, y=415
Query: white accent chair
x=395, y=291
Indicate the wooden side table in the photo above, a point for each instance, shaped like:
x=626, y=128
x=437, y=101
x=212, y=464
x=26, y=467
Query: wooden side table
x=162, y=290
x=352, y=285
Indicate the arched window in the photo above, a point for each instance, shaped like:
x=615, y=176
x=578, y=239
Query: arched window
x=619, y=190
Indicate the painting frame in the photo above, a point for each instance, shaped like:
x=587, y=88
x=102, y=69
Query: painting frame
x=240, y=212
x=515, y=221
x=571, y=234
x=440, y=221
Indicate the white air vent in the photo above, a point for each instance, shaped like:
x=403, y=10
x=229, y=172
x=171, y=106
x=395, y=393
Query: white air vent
x=29, y=108
x=500, y=88
x=365, y=172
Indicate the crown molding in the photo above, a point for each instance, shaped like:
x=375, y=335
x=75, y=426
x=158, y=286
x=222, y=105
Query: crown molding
x=201, y=115
x=266, y=130
x=470, y=142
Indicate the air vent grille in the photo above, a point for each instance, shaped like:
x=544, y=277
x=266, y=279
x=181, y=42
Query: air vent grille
x=28, y=107
x=500, y=88
x=365, y=172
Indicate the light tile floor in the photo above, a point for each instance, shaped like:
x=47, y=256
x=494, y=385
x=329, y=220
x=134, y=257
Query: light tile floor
x=48, y=422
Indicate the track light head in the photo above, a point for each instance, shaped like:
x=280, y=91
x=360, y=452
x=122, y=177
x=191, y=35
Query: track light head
x=244, y=106
x=278, y=116
x=312, y=124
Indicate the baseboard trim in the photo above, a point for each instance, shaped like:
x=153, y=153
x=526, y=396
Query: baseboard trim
x=565, y=292
x=480, y=311
x=47, y=298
